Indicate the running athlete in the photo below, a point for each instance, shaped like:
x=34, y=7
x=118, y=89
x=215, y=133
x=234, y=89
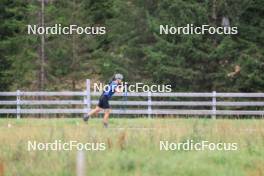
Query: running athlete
x=105, y=97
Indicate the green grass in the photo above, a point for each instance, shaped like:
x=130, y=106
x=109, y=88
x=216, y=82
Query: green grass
x=132, y=147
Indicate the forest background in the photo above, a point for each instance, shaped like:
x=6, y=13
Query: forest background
x=132, y=44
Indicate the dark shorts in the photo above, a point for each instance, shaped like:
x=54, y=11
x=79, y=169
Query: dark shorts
x=103, y=102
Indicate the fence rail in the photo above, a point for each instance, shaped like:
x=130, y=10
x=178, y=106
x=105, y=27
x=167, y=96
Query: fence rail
x=20, y=103
x=142, y=94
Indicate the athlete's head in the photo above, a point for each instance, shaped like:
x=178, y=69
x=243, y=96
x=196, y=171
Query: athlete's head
x=118, y=77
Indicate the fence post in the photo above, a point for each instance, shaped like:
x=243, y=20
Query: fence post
x=149, y=105
x=18, y=104
x=80, y=164
x=88, y=95
x=214, y=105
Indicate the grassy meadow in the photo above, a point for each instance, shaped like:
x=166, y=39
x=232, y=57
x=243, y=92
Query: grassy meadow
x=132, y=147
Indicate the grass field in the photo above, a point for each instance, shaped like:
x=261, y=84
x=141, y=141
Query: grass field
x=132, y=147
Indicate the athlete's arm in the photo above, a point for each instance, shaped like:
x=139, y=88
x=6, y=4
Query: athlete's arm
x=119, y=89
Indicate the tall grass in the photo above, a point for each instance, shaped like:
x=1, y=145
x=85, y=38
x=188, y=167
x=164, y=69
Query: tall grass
x=133, y=147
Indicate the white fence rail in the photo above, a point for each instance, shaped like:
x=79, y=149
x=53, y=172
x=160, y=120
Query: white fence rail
x=21, y=104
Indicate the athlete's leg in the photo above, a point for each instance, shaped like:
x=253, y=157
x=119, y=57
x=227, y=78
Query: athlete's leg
x=94, y=111
x=106, y=117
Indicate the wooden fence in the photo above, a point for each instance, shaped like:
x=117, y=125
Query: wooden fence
x=149, y=106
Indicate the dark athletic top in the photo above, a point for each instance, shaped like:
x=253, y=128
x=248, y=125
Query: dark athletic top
x=109, y=92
